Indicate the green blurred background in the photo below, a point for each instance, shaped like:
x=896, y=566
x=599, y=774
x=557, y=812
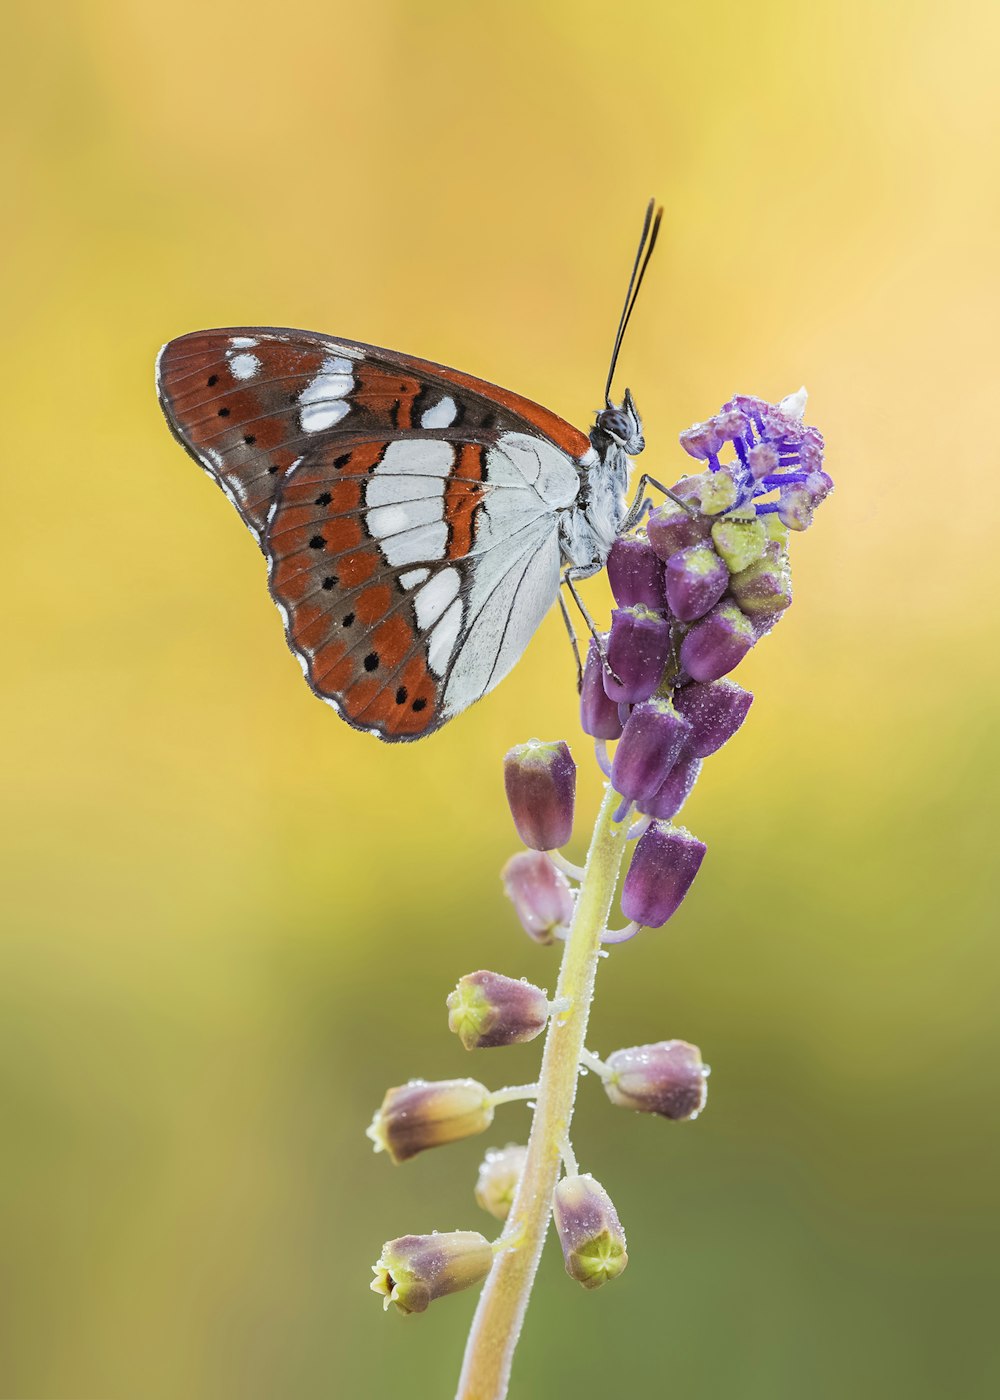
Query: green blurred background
x=230, y=922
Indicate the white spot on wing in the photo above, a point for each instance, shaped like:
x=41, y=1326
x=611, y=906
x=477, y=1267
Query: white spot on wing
x=405, y=496
x=244, y=366
x=444, y=637
x=413, y=577
x=393, y=520
x=314, y=417
x=440, y=415
x=435, y=596
x=322, y=400
x=243, y=342
x=413, y=456
x=426, y=542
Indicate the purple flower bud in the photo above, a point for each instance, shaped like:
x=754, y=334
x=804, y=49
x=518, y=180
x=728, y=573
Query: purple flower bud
x=653, y=736
x=670, y=528
x=717, y=643
x=696, y=579
x=732, y=423
x=714, y=711
x=638, y=652
x=702, y=440
x=764, y=588
x=763, y=459
x=540, y=780
x=674, y=791
x=419, y=1115
x=486, y=1010
x=499, y=1175
x=663, y=868
x=797, y=502
x=591, y=1235
x=635, y=573
x=667, y=1078
x=598, y=712
x=740, y=542
x=415, y=1269
x=540, y=894
x=796, y=506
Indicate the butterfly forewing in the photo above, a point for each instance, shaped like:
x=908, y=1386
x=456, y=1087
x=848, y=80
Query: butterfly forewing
x=409, y=512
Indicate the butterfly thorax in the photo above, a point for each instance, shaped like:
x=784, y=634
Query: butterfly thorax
x=591, y=527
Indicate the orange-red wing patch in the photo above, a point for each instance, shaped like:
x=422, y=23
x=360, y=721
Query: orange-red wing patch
x=463, y=494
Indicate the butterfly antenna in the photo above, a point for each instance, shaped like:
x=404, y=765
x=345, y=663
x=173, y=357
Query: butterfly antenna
x=647, y=242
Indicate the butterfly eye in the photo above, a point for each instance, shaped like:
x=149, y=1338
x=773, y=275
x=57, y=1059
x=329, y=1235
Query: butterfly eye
x=613, y=422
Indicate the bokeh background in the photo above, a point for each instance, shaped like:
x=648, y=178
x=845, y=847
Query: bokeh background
x=229, y=922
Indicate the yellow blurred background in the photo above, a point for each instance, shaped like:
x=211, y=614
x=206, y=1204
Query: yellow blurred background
x=229, y=922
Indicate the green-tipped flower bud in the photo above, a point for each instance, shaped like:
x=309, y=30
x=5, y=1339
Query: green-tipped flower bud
x=740, y=542
x=419, y=1115
x=415, y=1269
x=765, y=587
x=670, y=528
x=718, y=492
x=591, y=1235
x=487, y=1009
x=667, y=1078
x=717, y=643
x=499, y=1174
x=540, y=780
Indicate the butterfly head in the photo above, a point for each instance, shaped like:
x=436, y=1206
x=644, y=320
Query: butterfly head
x=621, y=426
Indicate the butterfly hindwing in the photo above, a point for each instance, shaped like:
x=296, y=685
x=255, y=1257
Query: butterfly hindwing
x=412, y=573
x=409, y=512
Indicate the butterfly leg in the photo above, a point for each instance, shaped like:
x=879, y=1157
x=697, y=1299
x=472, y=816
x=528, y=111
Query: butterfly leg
x=569, y=577
x=640, y=503
x=571, y=633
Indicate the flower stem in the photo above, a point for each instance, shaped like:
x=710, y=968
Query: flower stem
x=504, y=1301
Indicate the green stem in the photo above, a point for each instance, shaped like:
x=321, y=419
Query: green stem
x=504, y=1301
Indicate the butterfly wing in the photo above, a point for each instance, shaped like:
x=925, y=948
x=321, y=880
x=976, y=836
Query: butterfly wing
x=409, y=512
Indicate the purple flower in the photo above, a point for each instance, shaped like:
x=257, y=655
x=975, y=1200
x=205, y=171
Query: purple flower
x=653, y=736
x=670, y=528
x=639, y=646
x=667, y=1079
x=487, y=1010
x=419, y=1115
x=540, y=780
x=540, y=894
x=696, y=579
x=674, y=791
x=665, y=862
x=590, y=1233
x=598, y=712
x=714, y=711
x=717, y=643
x=703, y=440
x=499, y=1174
x=635, y=573
x=416, y=1269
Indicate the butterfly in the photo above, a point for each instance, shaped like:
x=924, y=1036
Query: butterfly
x=416, y=521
